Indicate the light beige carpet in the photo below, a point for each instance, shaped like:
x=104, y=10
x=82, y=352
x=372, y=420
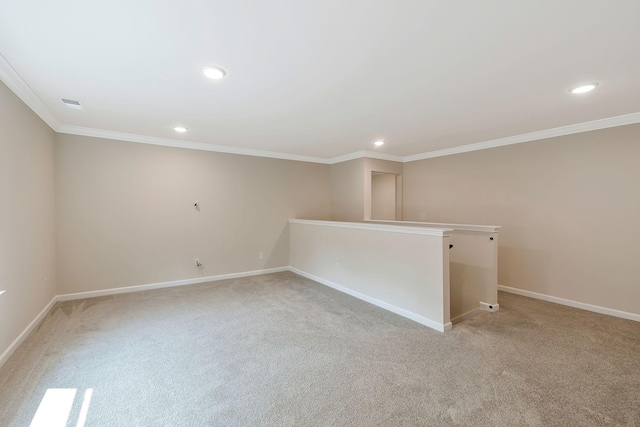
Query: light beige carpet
x=283, y=350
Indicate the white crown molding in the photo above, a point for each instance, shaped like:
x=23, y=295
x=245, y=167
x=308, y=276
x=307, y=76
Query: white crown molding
x=152, y=140
x=14, y=82
x=610, y=122
x=346, y=157
x=12, y=79
x=363, y=154
x=383, y=156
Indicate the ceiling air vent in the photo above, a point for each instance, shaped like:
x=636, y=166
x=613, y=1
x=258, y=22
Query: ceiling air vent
x=77, y=105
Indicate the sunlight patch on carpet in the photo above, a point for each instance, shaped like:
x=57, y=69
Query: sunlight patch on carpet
x=55, y=408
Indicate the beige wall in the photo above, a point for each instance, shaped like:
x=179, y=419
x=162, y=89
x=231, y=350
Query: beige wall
x=347, y=196
x=383, y=196
x=125, y=212
x=351, y=188
x=386, y=166
x=569, y=207
x=27, y=234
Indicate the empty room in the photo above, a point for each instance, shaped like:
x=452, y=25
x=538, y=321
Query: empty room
x=319, y=213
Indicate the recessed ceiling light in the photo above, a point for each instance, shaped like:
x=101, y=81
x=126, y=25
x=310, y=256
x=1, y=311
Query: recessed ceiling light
x=180, y=129
x=584, y=88
x=378, y=143
x=214, y=73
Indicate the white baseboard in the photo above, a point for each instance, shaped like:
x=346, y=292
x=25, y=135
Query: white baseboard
x=114, y=291
x=468, y=315
x=483, y=308
x=81, y=295
x=489, y=307
x=16, y=343
x=402, y=312
x=571, y=303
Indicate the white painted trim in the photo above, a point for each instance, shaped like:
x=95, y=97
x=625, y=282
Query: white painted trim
x=365, y=154
x=438, y=232
x=454, y=227
x=139, y=288
x=392, y=308
x=82, y=295
x=16, y=343
x=12, y=79
x=489, y=307
x=609, y=122
x=571, y=303
x=15, y=82
x=113, y=291
x=177, y=143
x=484, y=307
x=468, y=315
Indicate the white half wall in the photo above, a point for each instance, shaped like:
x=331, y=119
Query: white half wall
x=402, y=269
x=473, y=266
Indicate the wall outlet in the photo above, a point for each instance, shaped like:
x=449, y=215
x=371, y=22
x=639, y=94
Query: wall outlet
x=261, y=255
x=198, y=264
x=337, y=266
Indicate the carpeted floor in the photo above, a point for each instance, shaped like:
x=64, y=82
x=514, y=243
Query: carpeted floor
x=283, y=350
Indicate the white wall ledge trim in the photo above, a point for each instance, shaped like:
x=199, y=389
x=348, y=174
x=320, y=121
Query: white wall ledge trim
x=455, y=227
x=571, y=303
x=438, y=232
